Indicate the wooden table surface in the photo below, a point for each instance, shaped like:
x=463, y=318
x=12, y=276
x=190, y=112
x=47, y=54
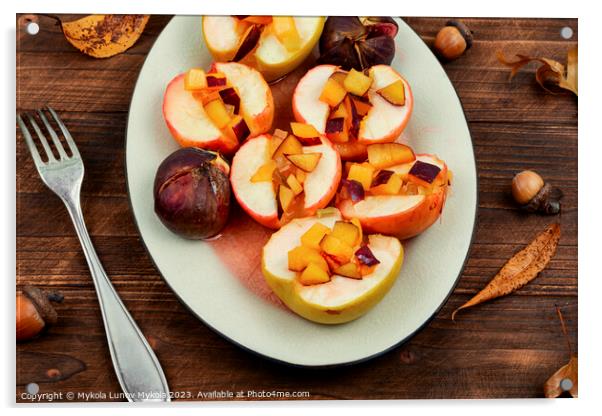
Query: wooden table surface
x=506, y=348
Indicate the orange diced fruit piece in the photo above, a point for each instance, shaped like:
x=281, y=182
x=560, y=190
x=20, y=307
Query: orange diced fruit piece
x=301, y=256
x=392, y=187
x=394, y=93
x=286, y=31
x=351, y=270
x=237, y=128
x=358, y=224
x=384, y=155
x=217, y=112
x=313, y=275
x=265, y=172
x=337, y=248
x=305, y=161
x=289, y=146
x=339, y=112
x=339, y=76
x=361, y=107
x=285, y=196
x=357, y=83
x=195, y=80
x=366, y=270
x=346, y=232
x=294, y=184
x=301, y=176
x=305, y=131
x=315, y=234
x=258, y=20
x=333, y=93
x=362, y=173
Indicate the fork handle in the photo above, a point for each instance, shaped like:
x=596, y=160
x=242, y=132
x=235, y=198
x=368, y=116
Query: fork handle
x=137, y=368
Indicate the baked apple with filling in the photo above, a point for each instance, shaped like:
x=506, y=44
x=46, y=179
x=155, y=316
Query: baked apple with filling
x=394, y=192
x=274, y=45
x=218, y=109
x=354, y=109
x=280, y=176
x=326, y=270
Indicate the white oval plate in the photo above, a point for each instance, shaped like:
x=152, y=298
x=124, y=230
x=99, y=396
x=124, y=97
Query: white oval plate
x=434, y=260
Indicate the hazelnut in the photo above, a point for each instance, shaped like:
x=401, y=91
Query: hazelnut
x=534, y=195
x=34, y=311
x=453, y=40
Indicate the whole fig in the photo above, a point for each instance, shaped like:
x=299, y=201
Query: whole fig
x=192, y=193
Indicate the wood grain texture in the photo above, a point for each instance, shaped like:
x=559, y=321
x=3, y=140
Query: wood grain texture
x=505, y=348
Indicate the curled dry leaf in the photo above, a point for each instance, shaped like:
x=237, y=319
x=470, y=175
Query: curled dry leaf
x=523, y=267
x=553, y=386
x=550, y=73
x=104, y=35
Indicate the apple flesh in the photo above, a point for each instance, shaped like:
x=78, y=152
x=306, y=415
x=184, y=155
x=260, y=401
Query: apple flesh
x=402, y=216
x=376, y=116
x=193, y=125
x=344, y=296
x=259, y=198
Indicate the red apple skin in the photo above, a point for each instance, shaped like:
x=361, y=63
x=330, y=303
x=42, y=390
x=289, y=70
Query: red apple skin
x=262, y=122
x=272, y=221
x=222, y=143
x=405, y=224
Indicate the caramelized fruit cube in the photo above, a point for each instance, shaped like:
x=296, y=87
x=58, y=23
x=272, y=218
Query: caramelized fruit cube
x=230, y=96
x=351, y=270
x=313, y=275
x=361, y=173
x=285, y=196
x=339, y=76
x=339, y=112
x=358, y=224
x=394, y=93
x=258, y=20
x=337, y=248
x=336, y=130
x=216, y=79
x=237, y=129
x=195, y=80
x=315, y=234
x=306, y=133
x=333, y=93
x=294, y=184
x=305, y=161
x=301, y=256
x=346, y=232
x=301, y=175
x=392, y=187
x=289, y=146
x=423, y=173
x=265, y=172
x=361, y=106
x=357, y=83
x=384, y=155
x=218, y=113
x=286, y=31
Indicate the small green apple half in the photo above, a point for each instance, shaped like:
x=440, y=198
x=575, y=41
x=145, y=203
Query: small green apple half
x=340, y=300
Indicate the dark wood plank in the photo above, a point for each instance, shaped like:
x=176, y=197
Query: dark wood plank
x=506, y=348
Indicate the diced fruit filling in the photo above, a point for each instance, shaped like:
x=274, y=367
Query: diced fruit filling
x=220, y=100
x=325, y=251
x=409, y=177
x=346, y=93
x=283, y=27
x=288, y=166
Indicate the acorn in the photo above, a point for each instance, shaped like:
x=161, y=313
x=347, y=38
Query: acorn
x=534, y=195
x=35, y=311
x=453, y=40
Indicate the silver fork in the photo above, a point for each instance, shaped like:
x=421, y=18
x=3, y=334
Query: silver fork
x=138, y=370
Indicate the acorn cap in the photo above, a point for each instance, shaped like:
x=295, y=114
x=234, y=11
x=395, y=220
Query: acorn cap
x=464, y=31
x=41, y=300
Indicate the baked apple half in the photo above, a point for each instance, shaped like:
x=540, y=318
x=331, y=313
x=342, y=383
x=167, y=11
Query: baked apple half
x=218, y=109
x=274, y=45
x=395, y=192
x=354, y=109
x=280, y=176
x=324, y=268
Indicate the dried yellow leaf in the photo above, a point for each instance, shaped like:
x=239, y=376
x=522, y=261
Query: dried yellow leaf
x=104, y=35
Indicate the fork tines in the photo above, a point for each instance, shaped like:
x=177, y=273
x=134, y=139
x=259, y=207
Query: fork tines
x=42, y=138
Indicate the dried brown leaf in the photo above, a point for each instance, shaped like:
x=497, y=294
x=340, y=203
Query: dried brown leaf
x=523, y=267
x=553, y=386
x=104, y=35
x=550, y=72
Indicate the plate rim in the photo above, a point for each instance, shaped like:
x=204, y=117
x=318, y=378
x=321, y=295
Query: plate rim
x=265, y=356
